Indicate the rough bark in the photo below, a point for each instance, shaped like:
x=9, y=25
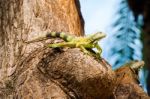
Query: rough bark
x=128, y=84
x=38, y=72
x=35, y=71
x=63, y=74
x=23, y=20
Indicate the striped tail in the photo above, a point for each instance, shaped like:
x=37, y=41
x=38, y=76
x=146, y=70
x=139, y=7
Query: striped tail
x=61, y=35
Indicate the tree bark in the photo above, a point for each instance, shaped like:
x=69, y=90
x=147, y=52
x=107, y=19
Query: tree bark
x=127, y=84
x=34, y=71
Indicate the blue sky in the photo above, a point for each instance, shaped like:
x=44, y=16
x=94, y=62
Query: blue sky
x=98, y=14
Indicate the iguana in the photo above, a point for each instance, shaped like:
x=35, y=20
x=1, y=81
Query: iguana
x=84, y=43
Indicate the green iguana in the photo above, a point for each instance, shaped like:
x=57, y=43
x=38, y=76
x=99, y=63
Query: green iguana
x=84, y=43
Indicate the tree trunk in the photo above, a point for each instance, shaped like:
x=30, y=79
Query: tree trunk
x=23, y=20
x=34, y=71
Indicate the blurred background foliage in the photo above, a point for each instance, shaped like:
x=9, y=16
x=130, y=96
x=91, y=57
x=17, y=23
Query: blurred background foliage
x=125, y=43
x=128, y=32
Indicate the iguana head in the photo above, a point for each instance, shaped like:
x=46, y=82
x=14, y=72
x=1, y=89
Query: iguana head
x=97, y=36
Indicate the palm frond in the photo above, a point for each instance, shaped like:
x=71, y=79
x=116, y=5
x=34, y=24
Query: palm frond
x=125, y=44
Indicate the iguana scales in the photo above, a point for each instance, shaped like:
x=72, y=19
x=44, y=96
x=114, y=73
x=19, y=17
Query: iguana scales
x=84, y=43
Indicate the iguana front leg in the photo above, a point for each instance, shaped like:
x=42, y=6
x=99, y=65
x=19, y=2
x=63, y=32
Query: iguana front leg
x=99, y=50
x=85, y=50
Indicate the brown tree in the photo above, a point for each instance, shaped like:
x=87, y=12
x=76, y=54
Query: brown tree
x=34, y=71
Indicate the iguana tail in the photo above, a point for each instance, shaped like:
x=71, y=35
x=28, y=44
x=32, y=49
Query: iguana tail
x=61, y=35
x=47, y=35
